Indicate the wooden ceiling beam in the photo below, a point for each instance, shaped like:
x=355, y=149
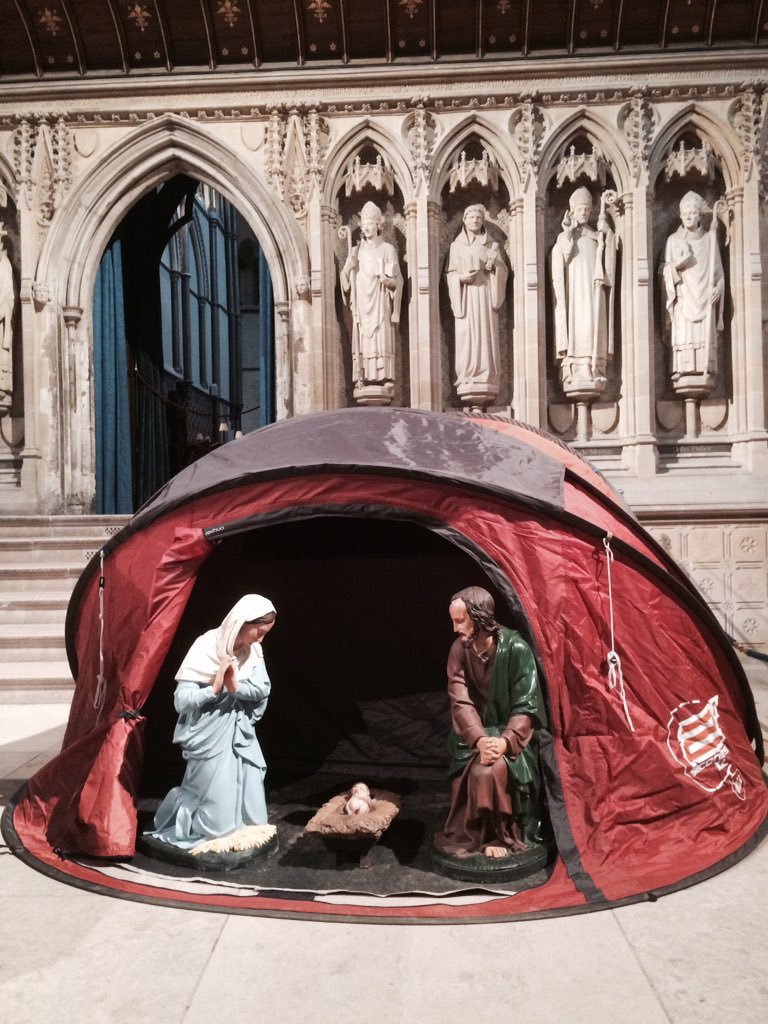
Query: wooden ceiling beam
x=758, y=20
x=301, y=49
x=617, y=25
x=526, y=40
x=209, y=37
x=346, y=55
x=255, y=42
x=36, y=54
x=663, y=24
x=73, y=30
x=120, y=35
x=709, y=19
x=162, y=24
x=572, y=24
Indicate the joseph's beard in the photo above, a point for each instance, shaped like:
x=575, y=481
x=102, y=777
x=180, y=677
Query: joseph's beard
x=469, y=640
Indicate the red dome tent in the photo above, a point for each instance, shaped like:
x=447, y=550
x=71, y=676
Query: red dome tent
x=652, y=763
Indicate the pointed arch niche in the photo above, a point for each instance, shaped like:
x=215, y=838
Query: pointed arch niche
x=687, y=159
x=176, y=202
x=584, y=388
x=475, y=171
x=370, y=176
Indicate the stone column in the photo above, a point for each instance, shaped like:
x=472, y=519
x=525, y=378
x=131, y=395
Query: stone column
x=529, y=346
x=748, y=423
x=423, y=226
x=635, y=334
x=283, y=373
x=325, y=365
x=77, y=412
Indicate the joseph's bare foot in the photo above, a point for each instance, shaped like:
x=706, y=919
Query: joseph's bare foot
x=496, y=851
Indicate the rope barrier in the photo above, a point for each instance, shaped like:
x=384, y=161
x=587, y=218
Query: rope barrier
x=615, y=675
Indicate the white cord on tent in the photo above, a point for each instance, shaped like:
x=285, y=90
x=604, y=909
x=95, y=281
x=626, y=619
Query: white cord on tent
x=615, y=675
x=101, y=682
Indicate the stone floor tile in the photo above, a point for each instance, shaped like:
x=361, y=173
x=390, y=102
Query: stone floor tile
x=574, y=970
x=102, y=961
x=705, y=947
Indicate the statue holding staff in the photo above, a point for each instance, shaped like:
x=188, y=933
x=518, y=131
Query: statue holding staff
x=373, y=286
x=583, y=277
x=692, y=274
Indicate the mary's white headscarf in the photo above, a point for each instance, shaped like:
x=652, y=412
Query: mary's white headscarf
x=212, y=652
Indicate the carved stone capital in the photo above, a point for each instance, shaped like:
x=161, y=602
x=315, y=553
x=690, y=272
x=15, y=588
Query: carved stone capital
x=72, y=316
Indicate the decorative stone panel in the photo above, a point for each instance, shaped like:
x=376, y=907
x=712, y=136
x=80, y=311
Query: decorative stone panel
x=728, y=562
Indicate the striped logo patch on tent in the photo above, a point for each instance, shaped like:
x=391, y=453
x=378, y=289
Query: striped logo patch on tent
x=697, y=742
x=700, y=737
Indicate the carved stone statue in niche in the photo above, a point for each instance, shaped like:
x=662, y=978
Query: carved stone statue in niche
x=692, y=272
x=373, y=286
x=7, y=303
x=583, y=275
x=477, y=280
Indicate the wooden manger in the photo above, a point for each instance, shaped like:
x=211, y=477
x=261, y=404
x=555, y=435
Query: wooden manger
x=352, y=837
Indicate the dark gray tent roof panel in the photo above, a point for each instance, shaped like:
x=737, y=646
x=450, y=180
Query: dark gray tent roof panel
x=397, y=441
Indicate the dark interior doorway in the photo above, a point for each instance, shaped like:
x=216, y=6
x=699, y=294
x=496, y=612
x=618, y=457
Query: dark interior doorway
x=183, y=337
x=357, y=657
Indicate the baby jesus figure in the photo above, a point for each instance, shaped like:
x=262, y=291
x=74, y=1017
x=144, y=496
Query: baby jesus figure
x=359, y=801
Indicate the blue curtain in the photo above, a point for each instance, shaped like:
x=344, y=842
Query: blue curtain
x=114, y=483
x=267, y=345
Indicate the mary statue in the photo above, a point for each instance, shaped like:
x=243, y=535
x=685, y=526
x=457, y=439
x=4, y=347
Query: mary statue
x=221, y=692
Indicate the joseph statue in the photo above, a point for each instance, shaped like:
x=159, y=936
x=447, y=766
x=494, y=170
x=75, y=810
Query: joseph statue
x=496, y=708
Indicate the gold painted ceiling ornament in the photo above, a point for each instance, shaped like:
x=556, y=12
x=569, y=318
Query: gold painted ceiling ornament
x=411, y=6
x=50, y=20
x=139, y=14
x=319, y=9
x=229, y=12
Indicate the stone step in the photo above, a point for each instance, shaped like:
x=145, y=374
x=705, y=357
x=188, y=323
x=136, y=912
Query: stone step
x=70, y=550
x=41, y=559
x=44, y=641
x=50, y=606
x=102, y=527
x=35, y=675
x=28, y=577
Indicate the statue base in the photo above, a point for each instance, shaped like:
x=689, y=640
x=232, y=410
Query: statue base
x=693, y=385
x=584, y=390
x=479, y=868
x=374, y=394
x=214, y=855
x=475, y=397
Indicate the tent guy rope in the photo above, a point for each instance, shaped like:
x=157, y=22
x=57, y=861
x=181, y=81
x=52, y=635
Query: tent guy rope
x=101, y=682
x=615, y=675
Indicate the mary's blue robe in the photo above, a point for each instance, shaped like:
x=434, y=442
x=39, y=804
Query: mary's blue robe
x=223, y=786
